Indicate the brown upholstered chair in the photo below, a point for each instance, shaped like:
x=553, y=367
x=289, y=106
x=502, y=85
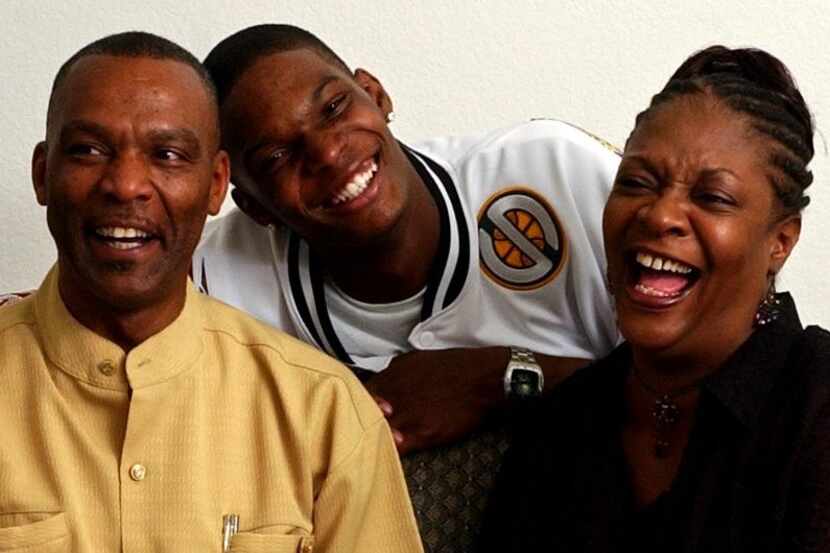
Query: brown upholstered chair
x=449, y=487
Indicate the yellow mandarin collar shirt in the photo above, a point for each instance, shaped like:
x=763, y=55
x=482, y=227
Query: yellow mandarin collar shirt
x=104, y=450
x=95, y=360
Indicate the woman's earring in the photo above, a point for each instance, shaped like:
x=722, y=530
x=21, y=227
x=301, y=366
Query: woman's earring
x=390, y=116
x=768, y=309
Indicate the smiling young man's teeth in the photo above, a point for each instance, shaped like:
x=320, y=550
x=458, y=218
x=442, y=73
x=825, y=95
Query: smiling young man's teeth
x=661, y=264
x=356, y=186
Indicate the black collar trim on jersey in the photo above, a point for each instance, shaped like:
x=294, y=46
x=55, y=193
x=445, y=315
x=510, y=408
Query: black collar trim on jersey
x=447, y=275
x=309, y=297
x=455, y=237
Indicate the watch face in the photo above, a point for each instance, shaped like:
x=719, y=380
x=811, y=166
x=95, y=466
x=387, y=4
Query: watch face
x=524, y=383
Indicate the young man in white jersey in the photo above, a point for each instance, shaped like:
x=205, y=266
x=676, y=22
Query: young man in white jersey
x=461, y=271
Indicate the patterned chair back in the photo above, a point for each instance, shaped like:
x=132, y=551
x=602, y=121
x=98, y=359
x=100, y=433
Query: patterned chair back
x=449, y=487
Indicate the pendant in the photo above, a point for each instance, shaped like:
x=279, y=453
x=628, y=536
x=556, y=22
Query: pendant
x=666, y=414
x=664, y=411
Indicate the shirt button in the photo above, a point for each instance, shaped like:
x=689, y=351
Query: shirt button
x=106, y=367
x=138, y=472
x=427, y=339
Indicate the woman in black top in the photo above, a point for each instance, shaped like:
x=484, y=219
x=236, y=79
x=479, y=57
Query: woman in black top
x=709, y=429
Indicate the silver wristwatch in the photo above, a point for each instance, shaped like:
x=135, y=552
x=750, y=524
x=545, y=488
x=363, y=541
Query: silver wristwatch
x=523, y=376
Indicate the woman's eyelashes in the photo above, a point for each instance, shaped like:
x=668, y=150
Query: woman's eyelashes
x=634, y=185
x=704, y=194
x=715, y=199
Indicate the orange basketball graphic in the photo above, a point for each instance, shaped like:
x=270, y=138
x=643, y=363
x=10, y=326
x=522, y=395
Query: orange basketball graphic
x=521, y=243
x=507, y=251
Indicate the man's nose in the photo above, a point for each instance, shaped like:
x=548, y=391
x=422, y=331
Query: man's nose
x=128, y=177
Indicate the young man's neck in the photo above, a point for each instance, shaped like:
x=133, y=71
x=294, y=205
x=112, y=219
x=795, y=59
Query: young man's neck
x=399, y=265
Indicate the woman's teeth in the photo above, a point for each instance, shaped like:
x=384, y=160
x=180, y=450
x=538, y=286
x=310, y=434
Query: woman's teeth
x=649, y=291
x=662, y=264
x=665, y=278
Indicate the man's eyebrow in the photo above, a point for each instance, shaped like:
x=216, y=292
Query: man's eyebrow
x=315, y=96
x=185, y=136
x=80, y=125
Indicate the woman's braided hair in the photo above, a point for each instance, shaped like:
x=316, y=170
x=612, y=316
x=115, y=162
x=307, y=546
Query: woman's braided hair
x=756, y=84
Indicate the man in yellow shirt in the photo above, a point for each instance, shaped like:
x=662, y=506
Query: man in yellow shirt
x=139, y=415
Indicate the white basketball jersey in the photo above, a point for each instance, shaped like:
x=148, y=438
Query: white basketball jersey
x=520, y=260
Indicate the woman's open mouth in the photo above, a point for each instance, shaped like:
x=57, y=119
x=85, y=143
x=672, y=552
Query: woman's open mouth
x=658, y=281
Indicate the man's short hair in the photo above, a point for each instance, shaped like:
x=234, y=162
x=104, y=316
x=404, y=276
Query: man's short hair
x=133, y=44
x=231, y=57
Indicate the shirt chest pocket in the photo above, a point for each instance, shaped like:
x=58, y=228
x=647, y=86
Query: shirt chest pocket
x=34, y=533
x=247, y=542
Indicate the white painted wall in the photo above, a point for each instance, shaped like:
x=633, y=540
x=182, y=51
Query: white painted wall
x=450, y=66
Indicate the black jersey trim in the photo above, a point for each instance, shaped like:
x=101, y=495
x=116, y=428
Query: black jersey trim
x=317, y=287
x=436, y=272
x=453, y=223
x=295, y=281
x=308, y=270
x=463, y=265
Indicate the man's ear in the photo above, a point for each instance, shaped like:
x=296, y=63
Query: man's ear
x=374, y=89
x=251, y=207
x=785, y=236
x=219, y=182
x=39, y=172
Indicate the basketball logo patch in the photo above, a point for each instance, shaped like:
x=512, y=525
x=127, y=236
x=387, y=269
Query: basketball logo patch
x=521, y=242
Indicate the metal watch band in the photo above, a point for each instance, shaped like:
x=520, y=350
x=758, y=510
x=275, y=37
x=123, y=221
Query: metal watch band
x=523, y=376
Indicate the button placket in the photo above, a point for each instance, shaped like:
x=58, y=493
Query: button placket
x=140, y=473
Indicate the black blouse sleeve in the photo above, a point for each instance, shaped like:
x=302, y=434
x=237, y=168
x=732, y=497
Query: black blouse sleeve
x=807, y=522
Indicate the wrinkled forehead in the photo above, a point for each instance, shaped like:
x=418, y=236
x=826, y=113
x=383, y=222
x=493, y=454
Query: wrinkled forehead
x=111, y=90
